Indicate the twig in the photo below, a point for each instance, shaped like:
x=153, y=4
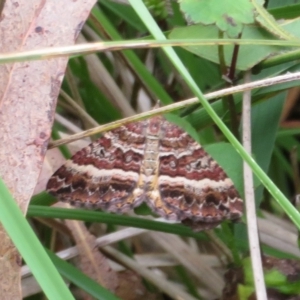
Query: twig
x=81, y=112
x=190, y=260
x=241, y=88
x=258, y=274
x=164, y=285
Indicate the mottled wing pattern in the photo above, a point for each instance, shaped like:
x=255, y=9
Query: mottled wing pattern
x=191, y=184
x=104, y=174
x=153, y=161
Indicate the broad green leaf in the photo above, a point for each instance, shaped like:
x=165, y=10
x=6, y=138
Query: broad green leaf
x=227, y=15
x=265, y=19
x=286, y=11
x=265, y=123
x=249, y=55
x=279, y=3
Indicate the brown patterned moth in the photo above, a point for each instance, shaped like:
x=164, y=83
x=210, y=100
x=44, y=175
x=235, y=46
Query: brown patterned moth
x=152, y=161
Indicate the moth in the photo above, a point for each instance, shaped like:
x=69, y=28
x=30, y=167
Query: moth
x=152, y=161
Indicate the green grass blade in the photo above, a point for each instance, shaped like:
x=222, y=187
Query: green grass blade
x=30, y=248
x=112, y=219
x=80, y=279
x=146, y=77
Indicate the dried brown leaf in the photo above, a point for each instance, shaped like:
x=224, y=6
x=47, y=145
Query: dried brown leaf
x=52, y=161
x=131, y=287
x=28, y=92
x=127, y=285
x=91, y=261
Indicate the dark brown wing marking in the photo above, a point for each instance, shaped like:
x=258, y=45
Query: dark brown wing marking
x=191, y=184
x=105, y=173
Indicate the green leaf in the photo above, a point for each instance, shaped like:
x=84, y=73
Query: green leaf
x=265, y=19
x=80, y=279
x=209, y=77
x=109, y=218
x=227, y=15
x=244, y=291
x=249, y=55
x=30, y=248
x=273, y=278
x=264, y=124
x=248, y=273
x=286, y=11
